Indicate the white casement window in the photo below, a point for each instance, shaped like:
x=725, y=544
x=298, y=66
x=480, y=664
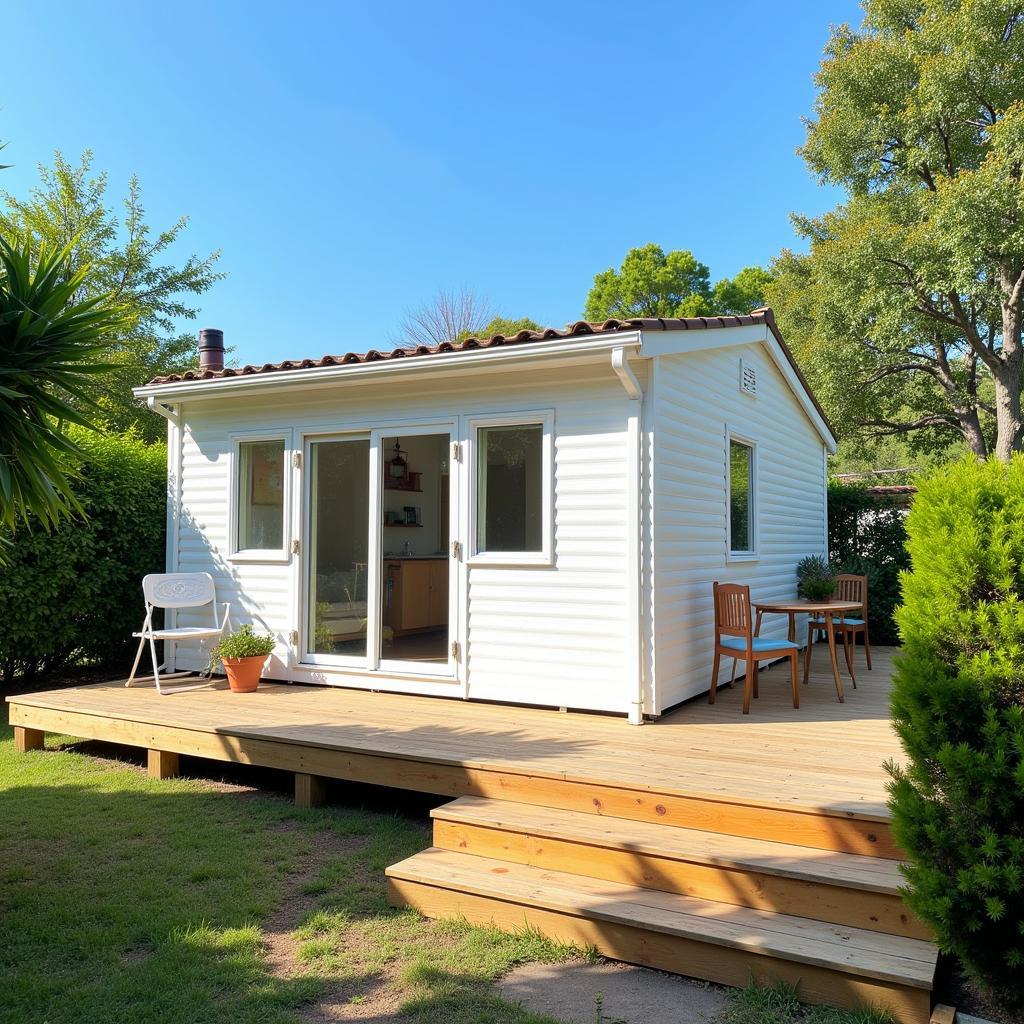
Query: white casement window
x=259, y=504
x=511, y=494
x=741, y=481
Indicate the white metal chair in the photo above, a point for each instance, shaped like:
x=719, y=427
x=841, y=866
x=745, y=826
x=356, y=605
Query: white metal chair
x=177, y=590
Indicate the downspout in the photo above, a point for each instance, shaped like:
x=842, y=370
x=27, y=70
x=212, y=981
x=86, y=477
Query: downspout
x=174, y=459
x=824, y=498
x=634, y=458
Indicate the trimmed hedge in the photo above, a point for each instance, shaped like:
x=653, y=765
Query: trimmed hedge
x=867, y=536
x=73, y=594
x=958, y=706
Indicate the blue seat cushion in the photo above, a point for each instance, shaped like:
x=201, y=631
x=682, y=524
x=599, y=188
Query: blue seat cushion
x=844, y=621
x=761, y=643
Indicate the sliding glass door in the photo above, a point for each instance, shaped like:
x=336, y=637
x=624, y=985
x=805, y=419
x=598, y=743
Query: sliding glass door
x=380, y=579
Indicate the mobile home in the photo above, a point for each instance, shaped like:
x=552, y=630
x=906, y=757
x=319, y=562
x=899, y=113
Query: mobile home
x=532, y=519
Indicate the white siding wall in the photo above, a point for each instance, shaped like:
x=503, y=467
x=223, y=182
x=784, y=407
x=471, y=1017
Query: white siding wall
x=552, y=636
x=694, y=397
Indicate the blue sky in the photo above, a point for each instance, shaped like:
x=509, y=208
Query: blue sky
x=350, y=160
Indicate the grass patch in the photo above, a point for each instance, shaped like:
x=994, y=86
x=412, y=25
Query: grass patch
x=131, y=901
x=779, y=1004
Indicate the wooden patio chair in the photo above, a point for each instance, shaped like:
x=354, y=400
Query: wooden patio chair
x=734, y=637
x=849, y=587
x=177, y=590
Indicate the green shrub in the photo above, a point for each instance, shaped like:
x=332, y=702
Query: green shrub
x=957, y=706
x=866, y=536
x=815, y=578
x=243, y=643
x=74, y=594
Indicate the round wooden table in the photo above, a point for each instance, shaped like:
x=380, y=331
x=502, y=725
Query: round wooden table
x=827, y=610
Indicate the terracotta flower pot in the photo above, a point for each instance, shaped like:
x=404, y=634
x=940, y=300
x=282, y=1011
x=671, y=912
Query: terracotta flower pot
x=244, y=673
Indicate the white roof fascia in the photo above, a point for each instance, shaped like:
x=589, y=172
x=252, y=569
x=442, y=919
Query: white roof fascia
x=437, y=364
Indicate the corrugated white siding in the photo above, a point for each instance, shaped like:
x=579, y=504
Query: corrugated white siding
x=694, y=400
x=558, y=636
x=553, y=636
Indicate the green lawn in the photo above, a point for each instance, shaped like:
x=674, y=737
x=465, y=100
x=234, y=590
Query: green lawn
x=128, y=900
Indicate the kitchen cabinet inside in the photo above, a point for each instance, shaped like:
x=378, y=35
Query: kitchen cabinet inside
x=415, y=594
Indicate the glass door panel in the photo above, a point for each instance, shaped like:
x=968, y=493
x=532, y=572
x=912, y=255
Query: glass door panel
x=339, y=536
x=416, y=577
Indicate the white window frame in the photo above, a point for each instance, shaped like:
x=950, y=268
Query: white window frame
x=274, y=556
x=528, y=417
x=754, y=503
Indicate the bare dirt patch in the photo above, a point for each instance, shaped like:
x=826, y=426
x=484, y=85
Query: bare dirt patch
x=376, y=996
x=378, y=999
x=298, y=903
x=136, y=955
x=955, y=989
x=617, y=993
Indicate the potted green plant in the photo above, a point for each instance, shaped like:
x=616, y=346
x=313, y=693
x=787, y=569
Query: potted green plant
x=243, y=654
x=815, y=579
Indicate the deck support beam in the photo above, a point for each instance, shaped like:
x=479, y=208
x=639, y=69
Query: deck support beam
x=310, y=790
x=26, y=739
x=161, y=764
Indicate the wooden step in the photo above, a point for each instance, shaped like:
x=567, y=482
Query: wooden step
x=711, y=940
x=841, y=888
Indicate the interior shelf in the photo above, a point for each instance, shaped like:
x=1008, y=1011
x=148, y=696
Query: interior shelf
x=406, y=490
x=403, y=526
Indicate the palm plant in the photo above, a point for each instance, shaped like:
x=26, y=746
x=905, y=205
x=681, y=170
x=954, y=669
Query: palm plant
x=51, y=343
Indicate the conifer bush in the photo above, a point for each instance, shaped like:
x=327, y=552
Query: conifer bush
x=958, y=706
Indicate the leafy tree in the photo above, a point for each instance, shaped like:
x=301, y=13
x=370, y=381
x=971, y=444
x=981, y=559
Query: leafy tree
x=958, y=707
x=129, y=262
x=888, y=399
x=916, y=282
x=504, y=326
x=52, y=340
x=742, y=293
x=653, y=283
x=913, y=453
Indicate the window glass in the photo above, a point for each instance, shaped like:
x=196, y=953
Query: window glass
x=510, y=488
x=741, y=480
x=261, y=496
x=339, y=542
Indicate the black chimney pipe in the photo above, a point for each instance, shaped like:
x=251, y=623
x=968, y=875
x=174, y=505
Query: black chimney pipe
x=211, y=349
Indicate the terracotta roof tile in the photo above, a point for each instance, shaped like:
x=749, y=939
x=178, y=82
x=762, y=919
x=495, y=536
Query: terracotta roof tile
x=581, y=328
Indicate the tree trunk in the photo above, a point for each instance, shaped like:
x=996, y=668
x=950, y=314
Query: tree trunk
x=970, y=427
x=1007, y=377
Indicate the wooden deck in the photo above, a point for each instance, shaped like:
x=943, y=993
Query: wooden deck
x=824, y=758
x=777, y=821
